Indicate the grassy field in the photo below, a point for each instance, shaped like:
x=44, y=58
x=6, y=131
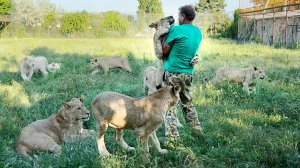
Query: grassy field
x=258, y=130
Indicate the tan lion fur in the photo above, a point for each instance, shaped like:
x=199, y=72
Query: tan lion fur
x=245, y=76
x=47, y=134
x=153, y=79
x=144, y=115
x=32, y=64
x=162, y=28
x=109, y=62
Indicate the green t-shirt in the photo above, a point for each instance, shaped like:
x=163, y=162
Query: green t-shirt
x=185, y=40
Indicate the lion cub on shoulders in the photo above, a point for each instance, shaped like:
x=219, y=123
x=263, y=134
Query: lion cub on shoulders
x=46, y=134
x=109, y=62
x=144, y=115
x=33, y=64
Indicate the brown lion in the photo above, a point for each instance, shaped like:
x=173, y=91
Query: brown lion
x=109, y=62
x=144, y=115
x=47, y=134
x=245, y=76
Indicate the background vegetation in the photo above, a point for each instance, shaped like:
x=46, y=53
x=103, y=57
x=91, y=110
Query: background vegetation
x=260, y=130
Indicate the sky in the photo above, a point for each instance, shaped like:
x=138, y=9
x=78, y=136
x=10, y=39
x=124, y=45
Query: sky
x=170, y=7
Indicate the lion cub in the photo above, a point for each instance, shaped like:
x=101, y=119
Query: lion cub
x=144, y=115
x=162, y=28
x=46, y=134
x=153, y=79
x=33, y=64
x=246, y=76
x=109, y=62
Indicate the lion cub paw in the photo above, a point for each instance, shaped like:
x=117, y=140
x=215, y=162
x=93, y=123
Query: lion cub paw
x=130, y=148
x=163, y=151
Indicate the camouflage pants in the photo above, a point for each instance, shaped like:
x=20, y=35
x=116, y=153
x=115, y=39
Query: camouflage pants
x=189, y=110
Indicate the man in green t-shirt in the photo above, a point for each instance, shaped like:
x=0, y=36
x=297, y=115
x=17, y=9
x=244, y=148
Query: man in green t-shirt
x=180, y=48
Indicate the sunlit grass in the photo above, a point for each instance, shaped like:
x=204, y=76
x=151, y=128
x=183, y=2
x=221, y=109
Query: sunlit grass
x=14, y=95
x=258, y=130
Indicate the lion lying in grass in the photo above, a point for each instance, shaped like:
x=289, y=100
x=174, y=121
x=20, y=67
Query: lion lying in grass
x=246, y=76
x=32, y=64
x=46, y=134
x=109, y=62
x=144, y=115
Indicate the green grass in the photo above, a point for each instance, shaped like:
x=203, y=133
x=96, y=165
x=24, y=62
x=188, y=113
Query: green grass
x=260, y=130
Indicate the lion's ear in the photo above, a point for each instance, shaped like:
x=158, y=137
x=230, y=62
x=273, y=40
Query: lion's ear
x=80, y=98
x=176, y=89
x=65, y=115
x=66, y=105
x=255, y=68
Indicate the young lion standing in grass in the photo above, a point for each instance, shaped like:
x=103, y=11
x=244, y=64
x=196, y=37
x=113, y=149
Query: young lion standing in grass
x=181, y=47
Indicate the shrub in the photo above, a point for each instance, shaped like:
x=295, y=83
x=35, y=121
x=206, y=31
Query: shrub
x=74, y=22
x=114, y=21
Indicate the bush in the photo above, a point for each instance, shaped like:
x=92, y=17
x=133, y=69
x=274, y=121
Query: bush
x=6, y=7
x=74, y=22
x=114, y=21
x=49, y=19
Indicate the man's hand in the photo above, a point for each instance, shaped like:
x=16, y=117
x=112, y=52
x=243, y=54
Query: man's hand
x=163, y=38
x=194, y=60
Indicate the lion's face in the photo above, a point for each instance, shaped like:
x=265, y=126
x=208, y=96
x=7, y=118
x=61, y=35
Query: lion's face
x=94, y=63
x=29, y=61
x=259, y=73
x=165, y=22
x=76, y=110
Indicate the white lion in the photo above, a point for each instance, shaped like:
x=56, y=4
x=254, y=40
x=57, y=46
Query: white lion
x=245, y=76
x=33, y=64
x=53, y=67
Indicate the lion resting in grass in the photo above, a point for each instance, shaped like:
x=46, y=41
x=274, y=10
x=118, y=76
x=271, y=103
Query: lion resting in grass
x=246, y=76
x=109, y=62
x=46, y=134
x=33, y=64
x=144, y=115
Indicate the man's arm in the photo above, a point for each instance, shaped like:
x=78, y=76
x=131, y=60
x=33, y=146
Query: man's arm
x=165, y=47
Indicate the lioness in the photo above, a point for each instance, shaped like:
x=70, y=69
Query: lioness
x=33, y=64
x=144, y=115
x=246, y=76
x=109, y=62
x=46, y=134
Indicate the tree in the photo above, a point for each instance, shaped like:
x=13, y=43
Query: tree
x=74, y=22
x=211, y=6
x=32, y=12
x=258, y=2
x=114, y=21
x=150, y=6
x=6, y=7
x=148, y=11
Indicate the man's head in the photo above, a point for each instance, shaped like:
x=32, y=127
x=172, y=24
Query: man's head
x=186, y=14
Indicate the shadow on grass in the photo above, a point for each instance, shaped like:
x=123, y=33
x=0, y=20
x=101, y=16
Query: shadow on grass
x=47, y=94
